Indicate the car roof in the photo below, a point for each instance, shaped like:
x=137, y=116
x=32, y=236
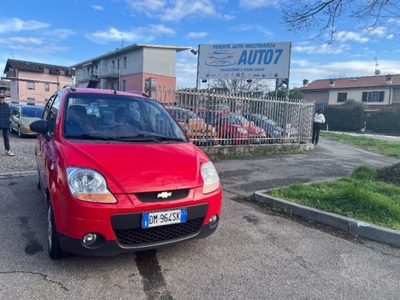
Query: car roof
x=72, y=89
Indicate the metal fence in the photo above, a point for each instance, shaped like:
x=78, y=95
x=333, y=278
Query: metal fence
x=213, y=117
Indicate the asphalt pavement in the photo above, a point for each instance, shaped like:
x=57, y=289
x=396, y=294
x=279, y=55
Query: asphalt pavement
x=250, y=178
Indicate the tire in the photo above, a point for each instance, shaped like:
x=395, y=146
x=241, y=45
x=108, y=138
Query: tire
x=55, y=251
x=38, y=180
x=19, y=132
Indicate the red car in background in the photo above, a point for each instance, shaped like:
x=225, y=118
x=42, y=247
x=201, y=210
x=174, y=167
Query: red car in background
x=229, y=133
x=215, y=108
x=256, y=134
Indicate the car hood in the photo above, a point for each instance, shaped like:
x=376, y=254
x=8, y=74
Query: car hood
x=130, y=168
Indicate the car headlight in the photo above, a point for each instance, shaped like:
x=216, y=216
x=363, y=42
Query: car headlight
x=210, y=177
x=88, y=185
x=242, y=130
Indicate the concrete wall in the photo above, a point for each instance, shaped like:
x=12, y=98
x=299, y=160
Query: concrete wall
x=357, y=95
x=159, y=61
x=318, y=96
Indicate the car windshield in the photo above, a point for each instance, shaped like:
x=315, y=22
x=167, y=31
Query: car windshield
x=32, y=111
x=119, y=117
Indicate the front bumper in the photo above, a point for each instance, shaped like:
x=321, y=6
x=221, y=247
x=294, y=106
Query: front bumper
x=130, y=237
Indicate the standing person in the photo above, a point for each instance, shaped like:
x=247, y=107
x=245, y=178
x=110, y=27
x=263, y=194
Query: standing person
x=5, y=123
x=319, y=119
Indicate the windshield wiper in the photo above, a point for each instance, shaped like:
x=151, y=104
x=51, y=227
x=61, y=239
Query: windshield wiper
x=90, y=136
x=158, y=138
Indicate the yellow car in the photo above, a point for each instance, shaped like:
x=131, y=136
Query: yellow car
x=22, y=116
x=196, y=128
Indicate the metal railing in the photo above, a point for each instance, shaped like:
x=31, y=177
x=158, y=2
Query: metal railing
x=239, y=119
x=219, y=118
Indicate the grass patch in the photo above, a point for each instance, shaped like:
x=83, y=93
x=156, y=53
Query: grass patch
x=371, y=144
x=368, y=194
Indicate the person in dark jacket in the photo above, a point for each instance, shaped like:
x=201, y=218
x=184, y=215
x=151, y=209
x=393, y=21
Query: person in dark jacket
x=5, y=123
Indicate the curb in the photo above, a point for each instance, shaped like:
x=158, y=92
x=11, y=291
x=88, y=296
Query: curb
x=352, y=226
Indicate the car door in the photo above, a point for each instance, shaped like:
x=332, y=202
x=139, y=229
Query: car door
x=15, y=113
x=46, y=148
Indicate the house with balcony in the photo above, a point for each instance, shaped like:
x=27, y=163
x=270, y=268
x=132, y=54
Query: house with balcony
x=375, y=91
x=33, y=82
x=138, y=67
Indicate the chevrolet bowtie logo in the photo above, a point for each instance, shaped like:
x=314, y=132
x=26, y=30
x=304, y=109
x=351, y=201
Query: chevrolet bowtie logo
x=164, y=195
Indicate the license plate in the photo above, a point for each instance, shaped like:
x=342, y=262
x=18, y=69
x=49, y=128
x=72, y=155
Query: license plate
x=161, y=218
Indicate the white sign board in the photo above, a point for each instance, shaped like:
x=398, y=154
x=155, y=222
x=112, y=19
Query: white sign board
x=244, y=61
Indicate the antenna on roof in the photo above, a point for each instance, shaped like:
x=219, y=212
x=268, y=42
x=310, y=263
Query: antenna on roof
x=377, y=72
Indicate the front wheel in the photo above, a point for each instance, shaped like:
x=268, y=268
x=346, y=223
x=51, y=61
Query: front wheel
x=19, y=132
x=55, y=251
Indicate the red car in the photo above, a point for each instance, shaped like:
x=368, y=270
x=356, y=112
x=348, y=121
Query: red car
x=256, y=134
x=228, y=132
x=119, y=174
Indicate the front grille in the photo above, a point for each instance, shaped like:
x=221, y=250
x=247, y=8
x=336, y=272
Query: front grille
x=141, y=237
x=157, y=196
x=129, y=232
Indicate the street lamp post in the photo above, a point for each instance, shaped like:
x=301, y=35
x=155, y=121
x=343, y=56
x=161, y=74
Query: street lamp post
x=196, y=52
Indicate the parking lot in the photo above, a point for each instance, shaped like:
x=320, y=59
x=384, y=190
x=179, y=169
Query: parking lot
x=254, y=254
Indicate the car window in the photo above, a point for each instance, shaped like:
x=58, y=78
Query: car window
x=109, y=116
x=31, y=111
x=51, y=112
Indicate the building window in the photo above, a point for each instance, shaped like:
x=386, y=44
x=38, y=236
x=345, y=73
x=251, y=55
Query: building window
x=117, y=85
x=341, y=97
x=30, y=101
x=373, y=96
x=46, y=71
x=124, y=85
x=124, y=63
x=46, y=86
x=30, y=85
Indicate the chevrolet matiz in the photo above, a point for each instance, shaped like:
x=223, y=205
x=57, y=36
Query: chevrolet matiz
x=119, y=175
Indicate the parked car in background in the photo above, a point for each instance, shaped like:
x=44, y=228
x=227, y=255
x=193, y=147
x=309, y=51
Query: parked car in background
x=216, y=108
x=256, y=134
x=22, y=116
x=272, y=129
x=132, y=183
x=195, y=127
x=228, y=133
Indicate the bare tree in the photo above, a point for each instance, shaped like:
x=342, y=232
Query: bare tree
x=324, y=15
x=235, y=86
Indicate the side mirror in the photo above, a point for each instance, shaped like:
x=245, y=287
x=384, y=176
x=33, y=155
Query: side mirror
x=41, y=126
